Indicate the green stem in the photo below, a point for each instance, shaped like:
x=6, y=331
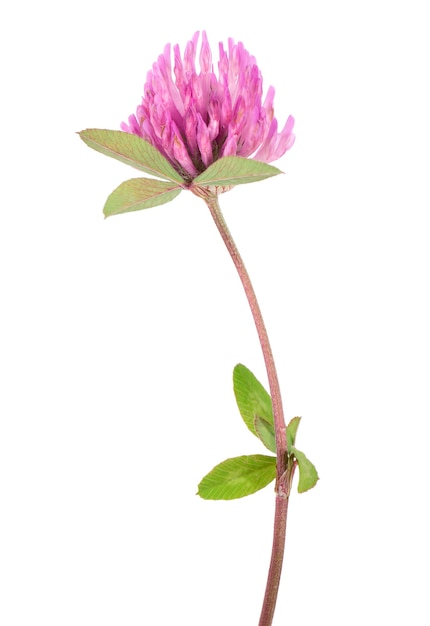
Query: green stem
x=284, y=469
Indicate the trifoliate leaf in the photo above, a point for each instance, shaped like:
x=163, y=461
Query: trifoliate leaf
x=238, y=477
x=132, y=150
x=266, y=433
x=292, y=431
x=235, y=170
x=139, y=193
x=308, y=475
x=251, y=397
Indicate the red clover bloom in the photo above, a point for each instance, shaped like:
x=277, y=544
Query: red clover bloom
x=189, y=120
x=194, y=118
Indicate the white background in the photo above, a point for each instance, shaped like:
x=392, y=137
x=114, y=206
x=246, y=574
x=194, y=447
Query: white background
x=119, y=336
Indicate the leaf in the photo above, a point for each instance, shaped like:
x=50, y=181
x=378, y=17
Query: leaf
x=251, y=397
x=238, y=477
x=139, y=193
x=292, y=432
x=132, y=150
x=308, y=475
x=266, y=433
x=234, y=170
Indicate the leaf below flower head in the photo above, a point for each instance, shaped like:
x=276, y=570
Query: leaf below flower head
x=139, y=193
x=238, y=477
x=132, y=150
x=235, y=170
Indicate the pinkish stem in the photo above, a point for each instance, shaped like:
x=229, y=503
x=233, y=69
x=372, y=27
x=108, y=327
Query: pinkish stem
x=284, y=468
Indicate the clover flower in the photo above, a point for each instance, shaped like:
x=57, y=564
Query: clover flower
x=195, y=117
x=204, y=133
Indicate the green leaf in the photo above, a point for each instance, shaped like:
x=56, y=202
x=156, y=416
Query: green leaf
x=266, y=433
x=308, y=475
x=251, y=397
x=238, y=477
x=139, y=193
x=292, y=432
x=234, y=170
x=132, y=150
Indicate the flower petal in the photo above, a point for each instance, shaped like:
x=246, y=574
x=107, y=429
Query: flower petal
x=193, y=117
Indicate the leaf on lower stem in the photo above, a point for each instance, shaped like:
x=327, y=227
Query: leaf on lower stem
x=265, y=433
x=238, y=477
x=292, y=431
x=252, y=399
x=308, y=475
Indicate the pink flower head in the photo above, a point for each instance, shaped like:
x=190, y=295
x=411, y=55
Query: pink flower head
x=195, y=117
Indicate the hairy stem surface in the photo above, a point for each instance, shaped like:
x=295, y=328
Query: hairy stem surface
x=284, y=470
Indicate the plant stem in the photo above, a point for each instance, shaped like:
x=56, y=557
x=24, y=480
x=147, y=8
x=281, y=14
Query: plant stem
x=275, y=392
x=274, y=575
x=284, y=468
x=277, y=558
